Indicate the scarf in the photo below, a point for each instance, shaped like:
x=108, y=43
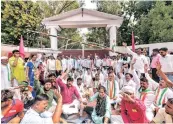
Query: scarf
x=111, y=89
x=9, y=74
x=144, y=93
x=101, y=106
x=160, y=99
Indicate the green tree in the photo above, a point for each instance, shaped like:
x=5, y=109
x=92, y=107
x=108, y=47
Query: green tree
x=52, y=8
x=157, y=26
x=100, y=35
x=132, y=12
x=17, y=17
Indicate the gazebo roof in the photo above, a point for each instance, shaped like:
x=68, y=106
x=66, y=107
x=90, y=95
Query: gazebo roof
x=81, y=18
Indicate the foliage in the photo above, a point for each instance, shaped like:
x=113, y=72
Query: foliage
x=74, y=35
x=157, y=26
x=17, y=17
x=133, y=11
x=100, y=35
x=27, y=15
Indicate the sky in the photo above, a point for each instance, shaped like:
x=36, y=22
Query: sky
x=88, y=5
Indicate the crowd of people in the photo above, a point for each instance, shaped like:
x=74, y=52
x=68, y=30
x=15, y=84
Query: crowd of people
x=44, y=89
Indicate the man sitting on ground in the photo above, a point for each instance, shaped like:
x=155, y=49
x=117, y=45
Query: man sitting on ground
x=68, y=91
x=102, y=112
x=165, y=115
x=34, y=114
x=133, y=110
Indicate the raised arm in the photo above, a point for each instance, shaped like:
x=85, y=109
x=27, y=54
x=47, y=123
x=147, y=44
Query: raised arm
x=91, y=99
x=77, y=93
x=58, y=110
x=108, y=110
x=163, y=76
x=60, y=83
x=128, y=50
x=135, y=76
x=36, y=81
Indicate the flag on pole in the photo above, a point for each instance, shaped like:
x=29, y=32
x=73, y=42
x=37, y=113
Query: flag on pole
x=133, y=42
x=21, y=48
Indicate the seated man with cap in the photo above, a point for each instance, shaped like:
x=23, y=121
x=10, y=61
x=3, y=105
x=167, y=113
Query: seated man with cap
x=132, y=109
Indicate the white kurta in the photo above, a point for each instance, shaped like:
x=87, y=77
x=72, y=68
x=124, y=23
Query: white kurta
x=64, y=64
x=5, y=79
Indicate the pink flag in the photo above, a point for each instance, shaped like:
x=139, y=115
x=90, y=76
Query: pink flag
x=21, y=48
x=133, y=42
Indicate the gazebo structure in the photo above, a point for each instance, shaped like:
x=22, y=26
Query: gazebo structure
x=82, y=18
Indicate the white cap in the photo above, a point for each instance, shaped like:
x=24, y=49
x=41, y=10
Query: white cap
x=129, y=89
x=4, y=57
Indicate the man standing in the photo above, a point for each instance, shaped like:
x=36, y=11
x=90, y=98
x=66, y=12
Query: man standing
x=17, y=67
x=98, y=62
x=58, y=66
x=51, y=65
x=64, y=63
x=88, y=77
x=155, y=59
x=166, y=61
x=30, y=70
x=141, y=60
x=5, y=73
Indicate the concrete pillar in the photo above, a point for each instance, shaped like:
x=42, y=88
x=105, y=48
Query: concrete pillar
x=112, y=37
x=53, y=40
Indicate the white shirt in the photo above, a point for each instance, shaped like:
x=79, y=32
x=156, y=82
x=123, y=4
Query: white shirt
x=5, y=71
x=167, y=95
x=152, y=84
x=149, y=99
x=162, y=116
x=80, y=89
x=70, y=63
x=102, y=78
x=88, y=79
x=32, y=117
x=166, y=63
x=98, y=62
x=141, y=60
x=51, y=64
x=124, y=83
x=118, y=65
x=64, y=63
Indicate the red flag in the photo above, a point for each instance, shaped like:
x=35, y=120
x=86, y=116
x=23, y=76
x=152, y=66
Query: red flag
x=133, y=42
x=21, y=48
